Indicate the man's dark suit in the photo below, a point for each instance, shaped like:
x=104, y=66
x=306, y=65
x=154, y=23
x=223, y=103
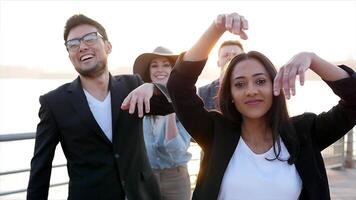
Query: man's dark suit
x=98, y=169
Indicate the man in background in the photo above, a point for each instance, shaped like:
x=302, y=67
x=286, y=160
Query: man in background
x=228, y=49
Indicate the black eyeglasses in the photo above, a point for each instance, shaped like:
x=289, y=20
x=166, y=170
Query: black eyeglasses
x=89, y=39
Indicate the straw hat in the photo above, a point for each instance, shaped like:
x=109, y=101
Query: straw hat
x=143, y=61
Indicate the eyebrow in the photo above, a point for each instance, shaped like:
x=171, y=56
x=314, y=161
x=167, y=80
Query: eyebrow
x=164, y=62
x=76, y=38
x=254, y=75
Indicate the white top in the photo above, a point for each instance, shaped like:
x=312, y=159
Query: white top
x=102, y=112
x=251, y=176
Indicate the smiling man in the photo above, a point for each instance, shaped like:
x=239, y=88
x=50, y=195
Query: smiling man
x=103, y=145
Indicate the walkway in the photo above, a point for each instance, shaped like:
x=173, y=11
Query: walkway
x=342, y=183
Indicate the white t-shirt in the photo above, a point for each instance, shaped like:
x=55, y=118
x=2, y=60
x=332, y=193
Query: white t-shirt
x=251, y=176
x=102, y=112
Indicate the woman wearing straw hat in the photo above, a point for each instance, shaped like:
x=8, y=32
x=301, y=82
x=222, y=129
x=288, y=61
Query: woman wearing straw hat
x=166, y=140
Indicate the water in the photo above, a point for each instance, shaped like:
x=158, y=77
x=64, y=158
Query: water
x=19, y=109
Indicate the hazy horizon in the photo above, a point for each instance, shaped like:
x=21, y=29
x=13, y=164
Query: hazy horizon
x=278, y=29
x=209, y=73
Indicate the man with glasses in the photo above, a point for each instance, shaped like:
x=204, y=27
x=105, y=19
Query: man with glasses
x=103, y=145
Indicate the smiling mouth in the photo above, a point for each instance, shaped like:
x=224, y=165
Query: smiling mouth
x=86, y=57
x=161, y=76
x=253, y=102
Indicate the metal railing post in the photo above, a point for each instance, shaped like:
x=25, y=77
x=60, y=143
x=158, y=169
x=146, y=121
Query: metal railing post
x=349, y=163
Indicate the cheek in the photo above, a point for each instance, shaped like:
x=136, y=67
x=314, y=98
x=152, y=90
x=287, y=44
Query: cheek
x=151, y=71
x=268, y=96
x=236, y=97
x=168, y=71
x=72, y=58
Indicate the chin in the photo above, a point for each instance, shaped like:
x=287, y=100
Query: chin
x=254, y=115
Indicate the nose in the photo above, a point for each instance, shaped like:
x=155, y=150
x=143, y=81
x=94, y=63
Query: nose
x=82, y=46
x=251, y=90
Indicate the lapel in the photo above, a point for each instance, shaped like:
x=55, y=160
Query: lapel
x=80, y=104
x=119, y=91
x=302, y=164
x=228, y=141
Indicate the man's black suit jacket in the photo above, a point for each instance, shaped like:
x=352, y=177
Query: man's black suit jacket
x=98, y=168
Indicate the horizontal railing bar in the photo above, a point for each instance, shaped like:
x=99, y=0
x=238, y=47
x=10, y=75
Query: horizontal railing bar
x=27, y=170
x=24, y=190
x=17, y=136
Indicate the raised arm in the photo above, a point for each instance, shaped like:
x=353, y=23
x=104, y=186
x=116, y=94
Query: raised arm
x=181, y=84
x=298, y=65
x=326, y=127
x=233, y=23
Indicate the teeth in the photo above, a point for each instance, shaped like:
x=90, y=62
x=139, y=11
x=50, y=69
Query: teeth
x=160, y=76
x=86, y=57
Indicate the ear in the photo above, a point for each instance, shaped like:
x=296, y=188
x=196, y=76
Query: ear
x=108, y=47
x=218, y=63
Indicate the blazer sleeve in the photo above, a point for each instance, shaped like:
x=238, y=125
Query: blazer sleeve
x=159, y=103
x=330, y=126
x=47, y=138
x=187, y=104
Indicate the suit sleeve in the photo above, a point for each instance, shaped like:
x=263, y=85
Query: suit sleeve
x=160, y=104
x=330, y=126
x=45, y=144
x=188, y=106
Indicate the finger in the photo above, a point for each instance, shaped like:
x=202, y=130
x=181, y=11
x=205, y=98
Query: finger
x=219, y=20
x=140, y=107
x=236, y=26
x=292, y=79
x=277, y=83
x=285, y=81
x=125, y=104
x=228, y=22
x=243, y=35
x=147, y=105
x=244, y=23
x=133, y=102
x=301, y=74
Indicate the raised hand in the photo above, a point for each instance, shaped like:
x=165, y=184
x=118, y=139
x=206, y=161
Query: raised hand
x=234, y=23
x=286, y=76
x=139, y=97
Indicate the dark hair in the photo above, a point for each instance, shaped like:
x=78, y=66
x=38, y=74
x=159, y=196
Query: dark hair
x=277, y=116
x=233, y=43
x=80, y=19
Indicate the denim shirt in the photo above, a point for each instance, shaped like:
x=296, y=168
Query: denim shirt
x=163, y=153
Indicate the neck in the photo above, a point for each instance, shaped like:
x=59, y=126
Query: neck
x=256, y=130
x=257, y=135
x=98, y=86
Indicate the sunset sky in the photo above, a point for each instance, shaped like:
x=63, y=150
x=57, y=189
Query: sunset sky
x=31, y=31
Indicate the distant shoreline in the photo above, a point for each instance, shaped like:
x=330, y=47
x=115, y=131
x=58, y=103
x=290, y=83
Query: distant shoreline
x=210, y=73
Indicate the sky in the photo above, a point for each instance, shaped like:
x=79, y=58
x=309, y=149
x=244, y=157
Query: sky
x=31, y=32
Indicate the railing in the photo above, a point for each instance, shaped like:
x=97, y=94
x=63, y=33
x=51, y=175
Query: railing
x=19, y=137
x=333, y=156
